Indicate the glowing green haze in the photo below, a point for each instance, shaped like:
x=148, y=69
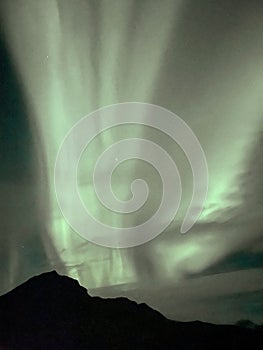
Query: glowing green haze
x=202, y=62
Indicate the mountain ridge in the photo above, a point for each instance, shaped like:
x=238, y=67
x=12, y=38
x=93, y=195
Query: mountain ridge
x=51, y=311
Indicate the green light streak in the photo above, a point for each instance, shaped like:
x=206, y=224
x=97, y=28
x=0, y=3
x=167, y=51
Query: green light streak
x=76, y=57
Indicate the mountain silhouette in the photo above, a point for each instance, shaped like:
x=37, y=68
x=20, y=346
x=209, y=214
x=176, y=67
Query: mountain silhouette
x=54, y=312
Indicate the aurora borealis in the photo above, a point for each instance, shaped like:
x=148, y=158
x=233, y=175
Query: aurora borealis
x=200, y=59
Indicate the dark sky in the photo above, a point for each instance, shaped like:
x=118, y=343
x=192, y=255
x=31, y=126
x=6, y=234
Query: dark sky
x=61, y=60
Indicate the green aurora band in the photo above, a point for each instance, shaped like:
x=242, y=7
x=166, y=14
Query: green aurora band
x=202, y=62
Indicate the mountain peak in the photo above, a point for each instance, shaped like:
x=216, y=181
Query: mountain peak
x=51, y=311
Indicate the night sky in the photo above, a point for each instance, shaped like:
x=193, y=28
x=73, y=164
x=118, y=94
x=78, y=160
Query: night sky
x=61, y=60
